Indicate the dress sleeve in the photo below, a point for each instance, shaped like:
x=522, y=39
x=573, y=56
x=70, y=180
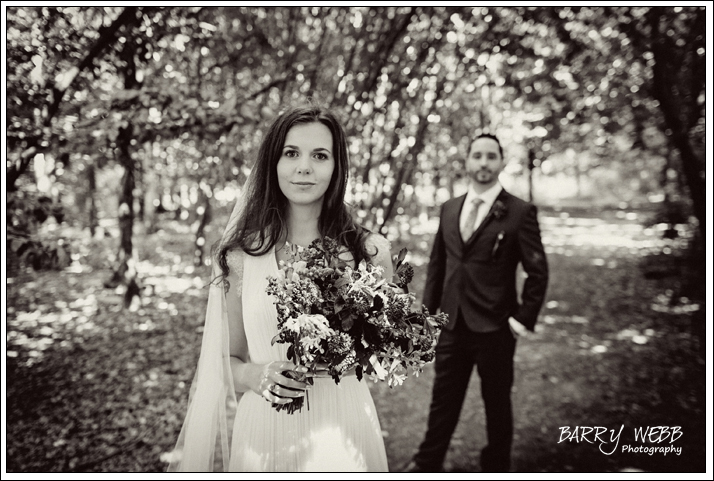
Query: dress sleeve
x=234, y=259
x=535, y=266
x=380, y=248
x=237, y=341
x=204, y=441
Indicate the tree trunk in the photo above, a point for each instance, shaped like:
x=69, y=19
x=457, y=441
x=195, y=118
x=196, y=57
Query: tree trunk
x=312, y=81
x=125, y=270
x=671, y=105
x=150, y=190
x=176, y=198
x=139, y=190
x=203, y=212
x=405, y=168
x=411, y=159
x=91, y=201
x=410, y=163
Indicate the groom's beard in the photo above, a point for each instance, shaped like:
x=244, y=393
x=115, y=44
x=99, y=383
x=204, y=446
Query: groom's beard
x=484, y=176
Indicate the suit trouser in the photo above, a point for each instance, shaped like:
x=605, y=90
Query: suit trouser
x=456, y=353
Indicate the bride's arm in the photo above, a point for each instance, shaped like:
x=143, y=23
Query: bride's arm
x=383, y=257
x=246, y=374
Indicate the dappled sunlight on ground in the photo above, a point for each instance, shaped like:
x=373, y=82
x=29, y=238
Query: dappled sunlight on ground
x=89, y=380
x=166, y=275
x=567, y=235
x=45, y=321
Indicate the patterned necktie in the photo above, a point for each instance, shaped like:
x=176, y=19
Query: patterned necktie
x=470, y=224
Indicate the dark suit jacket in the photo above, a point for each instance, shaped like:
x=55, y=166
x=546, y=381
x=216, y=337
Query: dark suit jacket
x=478, y=277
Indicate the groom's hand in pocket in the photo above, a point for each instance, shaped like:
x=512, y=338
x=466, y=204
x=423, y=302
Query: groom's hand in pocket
x=517, y=329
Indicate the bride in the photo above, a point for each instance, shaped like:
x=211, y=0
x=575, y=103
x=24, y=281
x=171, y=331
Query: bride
x=295, y=194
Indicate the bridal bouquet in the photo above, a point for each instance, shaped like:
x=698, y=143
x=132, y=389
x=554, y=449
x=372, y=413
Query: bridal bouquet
x=350, y=318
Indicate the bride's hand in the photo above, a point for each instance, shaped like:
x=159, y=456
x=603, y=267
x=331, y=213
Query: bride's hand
x=278, y=388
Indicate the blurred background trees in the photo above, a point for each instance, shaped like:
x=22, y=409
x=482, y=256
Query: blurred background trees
x=116, y=116
x=130, y=131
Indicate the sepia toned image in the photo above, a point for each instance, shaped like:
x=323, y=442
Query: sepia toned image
x=364, y=239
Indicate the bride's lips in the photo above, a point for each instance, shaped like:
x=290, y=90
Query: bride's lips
x=303, y=184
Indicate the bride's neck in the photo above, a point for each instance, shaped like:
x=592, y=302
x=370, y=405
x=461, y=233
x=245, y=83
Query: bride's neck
x=302, y=226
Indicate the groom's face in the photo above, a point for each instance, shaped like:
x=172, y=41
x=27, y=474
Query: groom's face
x=484, y=162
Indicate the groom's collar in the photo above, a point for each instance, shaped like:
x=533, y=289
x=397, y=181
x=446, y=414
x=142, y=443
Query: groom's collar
x=488, y=197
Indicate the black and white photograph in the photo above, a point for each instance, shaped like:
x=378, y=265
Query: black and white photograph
x=409, y=240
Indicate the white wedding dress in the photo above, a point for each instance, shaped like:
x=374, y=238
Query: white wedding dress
x=339, y=432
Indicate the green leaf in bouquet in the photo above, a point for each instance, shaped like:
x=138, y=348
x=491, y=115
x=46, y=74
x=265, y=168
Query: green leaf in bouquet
x=363, y=362
x=413, y=318
x=348, y=322
x=342, y=281
x=404, y=275
x=399, y=258
x=340, y=303
x=377, y=303
x=372, y=335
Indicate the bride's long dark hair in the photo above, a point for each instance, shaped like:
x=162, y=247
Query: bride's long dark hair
x=263, y=221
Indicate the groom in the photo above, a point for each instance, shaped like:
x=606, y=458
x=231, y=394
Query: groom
x=482, y=237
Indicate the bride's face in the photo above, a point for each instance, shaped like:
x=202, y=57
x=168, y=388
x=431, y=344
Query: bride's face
x=306, y=164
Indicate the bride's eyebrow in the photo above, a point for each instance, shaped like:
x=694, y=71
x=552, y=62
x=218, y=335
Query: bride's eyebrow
x=319, y=149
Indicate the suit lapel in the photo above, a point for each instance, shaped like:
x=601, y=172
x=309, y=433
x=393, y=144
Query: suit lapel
x=503, y=198
x=454, y=219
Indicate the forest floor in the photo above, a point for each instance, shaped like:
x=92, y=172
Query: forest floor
x=91, y=387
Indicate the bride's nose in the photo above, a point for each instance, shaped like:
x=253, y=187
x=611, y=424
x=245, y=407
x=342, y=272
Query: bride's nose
x=303, y=166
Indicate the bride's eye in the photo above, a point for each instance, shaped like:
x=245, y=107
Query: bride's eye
x=291, y=153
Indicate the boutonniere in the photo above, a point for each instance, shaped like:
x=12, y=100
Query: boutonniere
x=497, y=244
x=499, y=209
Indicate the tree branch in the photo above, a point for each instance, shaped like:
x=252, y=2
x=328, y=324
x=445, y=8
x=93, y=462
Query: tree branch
x=59, y=88
x=107, y=34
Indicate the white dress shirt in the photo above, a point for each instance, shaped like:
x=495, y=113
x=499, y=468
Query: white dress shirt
x=488, y=198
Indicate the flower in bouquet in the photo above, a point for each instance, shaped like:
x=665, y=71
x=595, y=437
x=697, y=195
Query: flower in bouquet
x=350, y=318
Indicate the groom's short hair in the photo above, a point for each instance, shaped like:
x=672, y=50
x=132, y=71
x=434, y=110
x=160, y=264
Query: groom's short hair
x=488, y=136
